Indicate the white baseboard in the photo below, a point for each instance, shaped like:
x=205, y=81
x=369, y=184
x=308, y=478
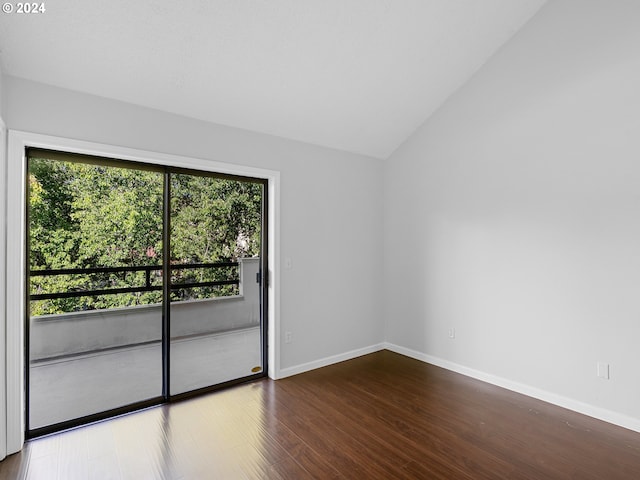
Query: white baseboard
x=323, y=362
x=559, y=400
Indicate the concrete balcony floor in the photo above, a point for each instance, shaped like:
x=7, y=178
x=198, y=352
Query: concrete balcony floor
x=72, y=387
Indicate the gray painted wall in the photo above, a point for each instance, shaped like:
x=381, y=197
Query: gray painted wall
x=519, y=202
x=331, y=207
x=3, y=195
x=2, y=100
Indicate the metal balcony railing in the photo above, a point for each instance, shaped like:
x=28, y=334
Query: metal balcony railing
x=148, y=287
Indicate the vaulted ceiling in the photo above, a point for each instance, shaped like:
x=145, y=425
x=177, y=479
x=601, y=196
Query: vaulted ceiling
x=355, y=75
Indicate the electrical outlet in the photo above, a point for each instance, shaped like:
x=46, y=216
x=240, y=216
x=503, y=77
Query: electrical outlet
x=288, y=337
x=603, y=370
x=452, y=333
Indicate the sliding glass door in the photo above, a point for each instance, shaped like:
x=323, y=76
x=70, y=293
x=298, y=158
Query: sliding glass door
x=95, y=265
x=144, y=283
x=216, y=244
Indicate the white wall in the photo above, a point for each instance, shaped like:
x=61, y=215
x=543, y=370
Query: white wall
x=513, y=216
x=3, y=193
x=2, y=101
x=331, y=207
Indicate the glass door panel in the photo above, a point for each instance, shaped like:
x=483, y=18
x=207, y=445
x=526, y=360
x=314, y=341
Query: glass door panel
x=94, y=326
x=215, y=300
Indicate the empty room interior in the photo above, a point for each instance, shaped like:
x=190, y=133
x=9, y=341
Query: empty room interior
x=320, y=239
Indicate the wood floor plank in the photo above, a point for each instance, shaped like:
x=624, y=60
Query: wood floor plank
x=420, y=440
x=427, y=441
x=43, y=468
x=365, y=426
x=16, y=465
x=380, y=416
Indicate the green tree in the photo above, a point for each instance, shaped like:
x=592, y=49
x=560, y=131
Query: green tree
x=212, y=220
x=85, y=215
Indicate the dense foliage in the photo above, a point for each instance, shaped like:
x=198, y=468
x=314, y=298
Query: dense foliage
x=85, y=216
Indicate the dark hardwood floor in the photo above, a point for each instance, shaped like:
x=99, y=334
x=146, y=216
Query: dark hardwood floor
x=381, y=416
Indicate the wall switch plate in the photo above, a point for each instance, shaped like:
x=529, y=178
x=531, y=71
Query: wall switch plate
x=288, y=337
x=452, y=333
x=288, y=263
x=603, y=370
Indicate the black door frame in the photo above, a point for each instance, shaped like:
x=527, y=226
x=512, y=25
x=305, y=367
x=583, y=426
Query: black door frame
x=165, y=397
